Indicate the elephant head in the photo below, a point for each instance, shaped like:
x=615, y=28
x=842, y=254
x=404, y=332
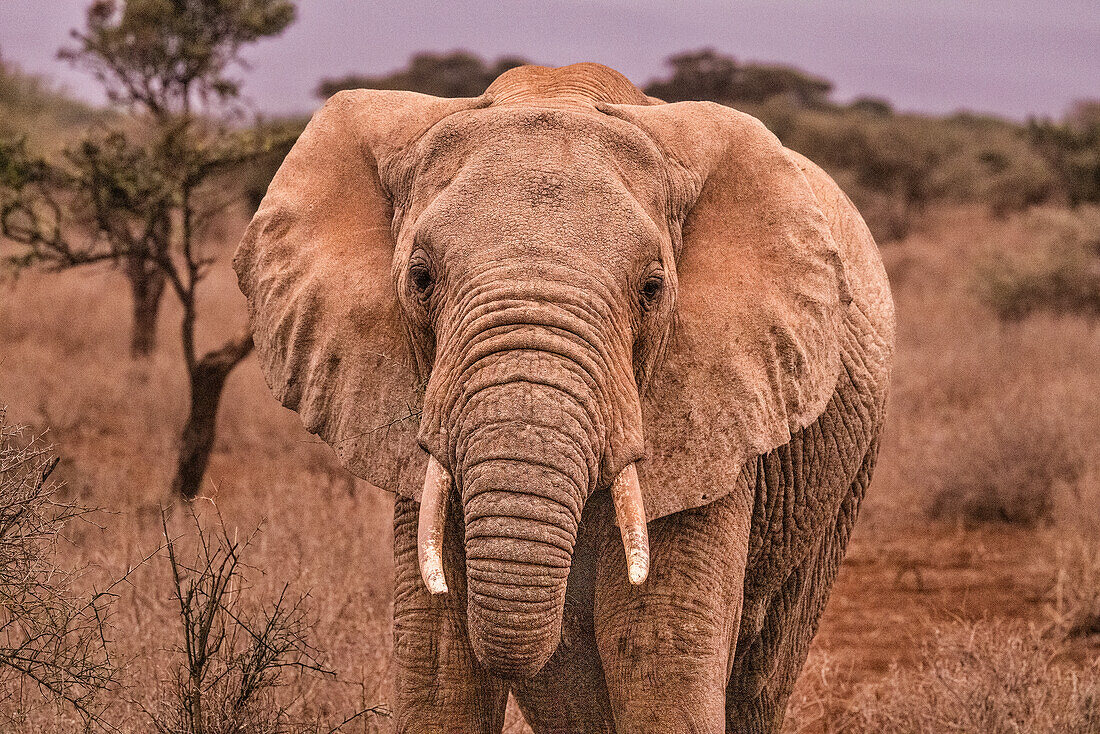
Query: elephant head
x=504, y=304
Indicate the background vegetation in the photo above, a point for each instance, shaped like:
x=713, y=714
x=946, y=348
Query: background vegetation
x=893, y=165
x=970, y=600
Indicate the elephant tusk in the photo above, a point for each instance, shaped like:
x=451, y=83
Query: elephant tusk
x=430, y=525
x=630, y=513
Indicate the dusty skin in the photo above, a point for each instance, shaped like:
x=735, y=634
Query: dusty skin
x=543, y=288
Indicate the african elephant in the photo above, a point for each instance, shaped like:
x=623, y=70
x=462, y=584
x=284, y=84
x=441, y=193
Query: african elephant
x=624, y=364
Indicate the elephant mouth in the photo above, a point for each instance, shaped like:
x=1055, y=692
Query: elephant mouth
x=626, y=493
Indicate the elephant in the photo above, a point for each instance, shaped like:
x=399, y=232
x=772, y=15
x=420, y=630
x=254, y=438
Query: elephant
x=624, y=364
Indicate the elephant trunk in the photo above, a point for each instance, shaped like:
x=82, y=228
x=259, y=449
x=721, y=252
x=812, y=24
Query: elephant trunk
x=526, y=405
x=519, y=544
x=523, y=485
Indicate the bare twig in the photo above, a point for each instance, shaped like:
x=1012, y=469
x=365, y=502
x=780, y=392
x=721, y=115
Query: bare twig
x=234, y=649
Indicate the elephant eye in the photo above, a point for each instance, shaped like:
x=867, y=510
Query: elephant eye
x=651, y=289
x=420, y=278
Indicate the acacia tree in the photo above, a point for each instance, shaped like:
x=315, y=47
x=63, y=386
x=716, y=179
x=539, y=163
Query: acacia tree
x=167, y=62
x=143, y=197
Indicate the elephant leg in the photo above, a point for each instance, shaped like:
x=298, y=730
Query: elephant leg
x=440, y=686
x=569, y=695
x=666, y=645
x=765, y=675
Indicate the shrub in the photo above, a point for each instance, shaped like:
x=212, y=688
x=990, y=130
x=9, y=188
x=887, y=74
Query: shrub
x=895, y=165
x=706, y=74
x=1072, y=147
x=53, y=640
x=234, y=652
x=821, y=702
x=1005, y=463
x=453, y=74
x=1059, y=271
x=994, y=678
x=31, y=102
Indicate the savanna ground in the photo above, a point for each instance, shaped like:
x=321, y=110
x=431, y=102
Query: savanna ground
x=968, y=600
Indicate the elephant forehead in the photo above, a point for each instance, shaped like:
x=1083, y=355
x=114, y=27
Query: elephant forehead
x=541, y=206
x=586, y=147
x=540, y=184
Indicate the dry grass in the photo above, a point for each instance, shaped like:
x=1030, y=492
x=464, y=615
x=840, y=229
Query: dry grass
x=992, y=677
x=53, y=648
x=63, y=364
x=987, y=421
x=1014, y=467
x=234, y=650
x=1074, y=598
x=971, y=398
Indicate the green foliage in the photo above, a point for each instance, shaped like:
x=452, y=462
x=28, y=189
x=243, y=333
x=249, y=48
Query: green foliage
x=709, y=75
x=136, y=193
x=254, y=176
x=163, y=55
x=1073, y=149
x=106, y=199
x=143, y=196
x=31, y=210
x=872, y=105
x=1059, y=272
x=894, y=165
x=454, y=74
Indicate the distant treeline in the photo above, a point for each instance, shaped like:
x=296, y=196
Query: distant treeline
x=704, y=74
x=892, y=164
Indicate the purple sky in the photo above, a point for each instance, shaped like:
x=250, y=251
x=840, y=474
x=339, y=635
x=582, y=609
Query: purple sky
x=1011, y=57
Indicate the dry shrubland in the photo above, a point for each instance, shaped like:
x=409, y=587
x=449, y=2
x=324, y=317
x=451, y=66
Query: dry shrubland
x=989, y=422
x=1015, y=466
x=896, y=166
x=1073, y=602
x=990, y=676
x=63, y=349
x=53, y=648
x=29, y=102
x=1051, y=263
x=992, y=423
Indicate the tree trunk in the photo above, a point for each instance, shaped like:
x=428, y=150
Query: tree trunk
x=147, y=283
x=207, y=380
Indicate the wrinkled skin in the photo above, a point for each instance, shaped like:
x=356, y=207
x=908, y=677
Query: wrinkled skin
x=542, y=287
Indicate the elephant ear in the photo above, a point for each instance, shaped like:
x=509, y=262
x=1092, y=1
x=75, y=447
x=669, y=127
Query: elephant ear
x=754, y=351
x=316, y=267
